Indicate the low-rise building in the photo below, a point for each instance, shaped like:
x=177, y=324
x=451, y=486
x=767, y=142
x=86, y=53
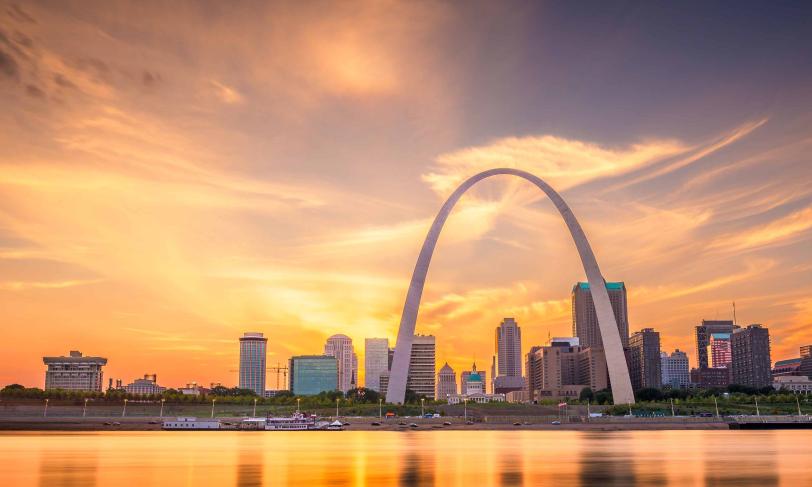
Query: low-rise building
x=191, y=423
x=147, y=385
x=709, y=377
x=787, y=367
x=799, y=384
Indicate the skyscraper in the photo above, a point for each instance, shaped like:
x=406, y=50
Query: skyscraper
x=312, y=374
x=422, y=366
x=585, y=318
x=74, y=372
x=703, y=333
x=644, y=359
x=508, y=349
x=376, y=361
x=805, y=367
x=340, y=347
x=719, y=350
x=252, y=362
x=675, y=370
x=751, y=365
x=446, y=382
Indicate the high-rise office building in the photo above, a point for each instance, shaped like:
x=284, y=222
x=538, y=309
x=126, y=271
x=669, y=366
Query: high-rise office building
x=563, y=369
x=507, y=373
x=422, y=366
x=446, y=382
x=252, y=362
x=74, y=372
x=312, y=374
x=719, y=351
x=751, y=365
x=376, y=361
x=585, y=318
x=384, y=381
x=340, y=347
x=703, y=333
x=643, y=357
x=675, y=370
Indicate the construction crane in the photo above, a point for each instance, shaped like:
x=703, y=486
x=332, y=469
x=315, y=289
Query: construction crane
x=278, y=369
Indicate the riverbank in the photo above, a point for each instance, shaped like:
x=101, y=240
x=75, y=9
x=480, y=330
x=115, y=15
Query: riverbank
x=366, y=424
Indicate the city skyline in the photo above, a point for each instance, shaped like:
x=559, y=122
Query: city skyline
x=165, y=189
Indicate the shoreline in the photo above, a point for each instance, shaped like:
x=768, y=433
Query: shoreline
x=357, y=424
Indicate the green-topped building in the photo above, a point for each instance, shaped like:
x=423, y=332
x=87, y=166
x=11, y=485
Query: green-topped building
x=585, y=319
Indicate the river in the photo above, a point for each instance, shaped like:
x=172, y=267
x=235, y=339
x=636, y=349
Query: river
x=441, y=458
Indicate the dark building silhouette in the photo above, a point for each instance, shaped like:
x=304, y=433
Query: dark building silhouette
x=751, y=364
x=585, y=318
x=643, y=357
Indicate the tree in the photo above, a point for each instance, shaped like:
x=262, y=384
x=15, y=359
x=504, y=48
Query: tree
x=649, y=394
x=363, y=395
x=587, y=395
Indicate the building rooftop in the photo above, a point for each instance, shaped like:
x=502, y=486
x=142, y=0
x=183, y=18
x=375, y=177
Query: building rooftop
x=609, y=285
x=720, y=336
x=789, y=361
x=75, y=357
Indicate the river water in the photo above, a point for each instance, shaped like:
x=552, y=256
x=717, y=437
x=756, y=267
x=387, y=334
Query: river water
x=441, y=458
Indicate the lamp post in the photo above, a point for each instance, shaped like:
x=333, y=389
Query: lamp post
x=337, y=399
x=84, y=409
x=587, y=410
x=465, y=409
x=716, y=405
x=798, y=403
x=672, y=407
x=422, y=407
x=380, y=408
x=212, y=407
x=758, y=413
x=298, y=403
x=161, y=414
x=124, y=410
x=254, y=414
x=46, y=407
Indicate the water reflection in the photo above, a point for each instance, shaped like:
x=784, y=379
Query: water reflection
x=249, y=465
x=505, y=458
x=602, y=463
x=67, y=467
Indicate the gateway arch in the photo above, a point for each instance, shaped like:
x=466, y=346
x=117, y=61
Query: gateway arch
x=615, y=357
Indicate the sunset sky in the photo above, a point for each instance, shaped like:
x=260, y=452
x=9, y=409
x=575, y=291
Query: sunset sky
x=175, y=174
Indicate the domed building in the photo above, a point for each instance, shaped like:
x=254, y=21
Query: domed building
x=474, y=390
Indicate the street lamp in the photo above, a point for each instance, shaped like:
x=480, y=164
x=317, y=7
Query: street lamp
x=124, y=411
x=337, y=399
x=716, y=405
x=798, y=403
x=465, y=408
x=422, y=407
x=212, y=407
x=672, y=407
x=254, y=414
x=162, y=407
x=84, y=409
x=298, y=403
x=380, y=408
x=46, y=407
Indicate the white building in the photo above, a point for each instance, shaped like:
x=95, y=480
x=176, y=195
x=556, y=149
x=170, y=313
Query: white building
x=422, y=366
x=340, y=347
x=446, y=382
x=253, y=347
x=376, y=361
x=74, y=372
x=674, y=369
x=147, y=385
x=799, y=384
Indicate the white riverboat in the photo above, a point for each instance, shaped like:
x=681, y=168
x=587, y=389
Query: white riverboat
x=297, y=422
x=191, y=423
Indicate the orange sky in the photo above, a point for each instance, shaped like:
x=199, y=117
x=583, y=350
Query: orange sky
x=172, y=178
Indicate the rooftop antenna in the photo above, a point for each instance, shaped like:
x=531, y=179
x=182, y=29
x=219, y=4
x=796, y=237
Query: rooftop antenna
x=549, y=339
x=734, y=313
